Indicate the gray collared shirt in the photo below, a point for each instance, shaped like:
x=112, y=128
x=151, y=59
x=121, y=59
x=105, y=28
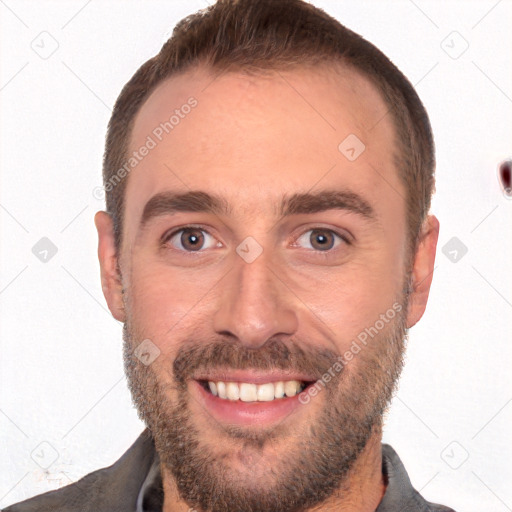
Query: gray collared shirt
x=134, y=483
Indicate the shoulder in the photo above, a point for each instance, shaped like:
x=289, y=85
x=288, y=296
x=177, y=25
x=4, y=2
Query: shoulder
x=400, y=494
x=111, y=489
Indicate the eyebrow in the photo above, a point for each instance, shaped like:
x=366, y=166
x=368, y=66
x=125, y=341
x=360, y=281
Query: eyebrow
x=328, y=200
x=169, y=203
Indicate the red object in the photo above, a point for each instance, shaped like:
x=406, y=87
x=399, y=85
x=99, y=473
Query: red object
x=505, y=177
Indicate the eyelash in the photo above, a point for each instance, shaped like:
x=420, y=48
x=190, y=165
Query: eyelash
x=169, y=235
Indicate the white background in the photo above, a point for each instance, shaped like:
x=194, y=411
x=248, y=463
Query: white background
x=62, y=381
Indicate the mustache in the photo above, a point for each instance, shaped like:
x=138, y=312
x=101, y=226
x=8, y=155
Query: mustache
x=275, y=354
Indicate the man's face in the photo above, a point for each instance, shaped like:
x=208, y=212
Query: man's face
x=304, y=252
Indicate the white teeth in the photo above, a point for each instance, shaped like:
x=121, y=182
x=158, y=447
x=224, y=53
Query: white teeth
x=221, y=390
x=248, y=392
x=232, y=391
x=291, y=387
x=266, y=392
x=279, y=389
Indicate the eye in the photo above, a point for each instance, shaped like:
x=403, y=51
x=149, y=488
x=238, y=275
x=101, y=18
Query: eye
x=191, y=239
x=321, y=239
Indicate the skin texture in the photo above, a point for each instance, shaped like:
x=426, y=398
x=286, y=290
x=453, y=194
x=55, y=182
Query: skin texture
x=251, y=140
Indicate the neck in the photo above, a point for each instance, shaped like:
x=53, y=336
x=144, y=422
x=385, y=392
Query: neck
x=362, y=491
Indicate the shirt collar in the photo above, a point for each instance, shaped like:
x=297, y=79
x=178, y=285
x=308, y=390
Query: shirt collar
x=151, y=494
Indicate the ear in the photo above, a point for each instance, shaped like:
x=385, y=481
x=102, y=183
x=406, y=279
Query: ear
x=423, y=270
x=111, y=283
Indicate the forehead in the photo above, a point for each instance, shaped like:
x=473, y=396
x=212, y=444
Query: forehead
x=253, y=138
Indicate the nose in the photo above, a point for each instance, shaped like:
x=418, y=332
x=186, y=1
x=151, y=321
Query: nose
x=255, y=304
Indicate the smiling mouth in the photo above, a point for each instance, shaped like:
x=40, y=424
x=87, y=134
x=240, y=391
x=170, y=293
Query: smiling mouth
x=250, y=392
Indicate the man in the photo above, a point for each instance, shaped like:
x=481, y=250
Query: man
x=267, y=245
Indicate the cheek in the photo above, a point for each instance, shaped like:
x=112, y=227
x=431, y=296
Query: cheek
x=350, y=298
x=166, y=304
x=354, y=307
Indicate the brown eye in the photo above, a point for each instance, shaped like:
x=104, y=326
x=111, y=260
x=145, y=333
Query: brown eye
x=191, y=240
x=322, y=239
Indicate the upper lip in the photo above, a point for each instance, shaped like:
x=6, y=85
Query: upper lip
x=252, y=376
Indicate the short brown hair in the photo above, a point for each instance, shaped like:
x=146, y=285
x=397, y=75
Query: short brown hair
x=257, y=35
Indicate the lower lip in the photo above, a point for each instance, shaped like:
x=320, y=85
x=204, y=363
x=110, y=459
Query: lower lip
x=247, y=413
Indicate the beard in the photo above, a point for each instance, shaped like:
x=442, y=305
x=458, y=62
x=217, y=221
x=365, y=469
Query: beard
x=221, y=468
